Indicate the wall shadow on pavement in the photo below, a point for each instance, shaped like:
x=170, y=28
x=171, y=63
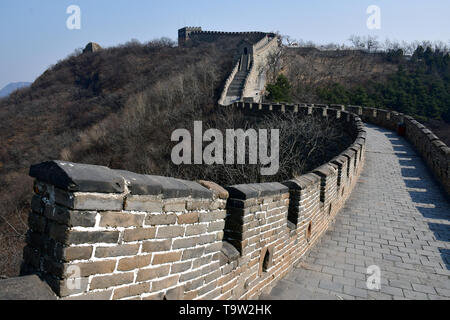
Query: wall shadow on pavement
x=427, y=195
x=445, y=254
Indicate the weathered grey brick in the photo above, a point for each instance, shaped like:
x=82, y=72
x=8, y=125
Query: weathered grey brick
x=170, y=232
x=190, y=275
x=117, y=251
x=120, y=219
x=174, y=205
x=185, y=243
x=216, y=226
x=62, y=234
x=143, y=204
x=139, y=234
x=215, y=247
x=212, y=215
x=206, y=238
x=131, y=290
x=188, y=218
x=164, y=283
x=193, y=230
x=80, y=237
x=156, y=245
x=103, y=282
x=89, y=201
x=74, y=253
x=208, y=288
x=152, y=273
x=193, y=253
x=71, y=218
x=194, y=284
x=94, y=267
x=168, y=257
x=160, y=219
x=135, y=262
x=204, y=260
x=180, y=267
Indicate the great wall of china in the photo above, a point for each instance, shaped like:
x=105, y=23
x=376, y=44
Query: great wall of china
x=248, y=78
x=98, y=233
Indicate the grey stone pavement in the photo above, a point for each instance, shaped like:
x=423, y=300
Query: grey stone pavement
x=396, y=218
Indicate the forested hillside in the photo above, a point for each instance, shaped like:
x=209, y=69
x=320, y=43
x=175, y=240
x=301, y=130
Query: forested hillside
x=66, y=108
x=416, y=84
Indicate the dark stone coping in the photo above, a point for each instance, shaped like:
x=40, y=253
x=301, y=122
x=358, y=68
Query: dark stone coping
x=75, y=177
x=324, y=170
x=25, y=288
x=255, y=190
x=303, y=182
x=230, y=251
x=78, y=177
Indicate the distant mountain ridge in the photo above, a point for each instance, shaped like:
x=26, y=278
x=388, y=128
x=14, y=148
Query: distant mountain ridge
x=11, y=87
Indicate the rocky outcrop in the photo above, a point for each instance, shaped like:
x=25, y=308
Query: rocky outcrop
x=92, y=47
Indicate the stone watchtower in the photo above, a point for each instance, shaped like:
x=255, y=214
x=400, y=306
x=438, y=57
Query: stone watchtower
x=183, y=34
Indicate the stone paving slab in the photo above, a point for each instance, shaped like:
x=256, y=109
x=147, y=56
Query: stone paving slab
x=397, y=218
x=25, y=288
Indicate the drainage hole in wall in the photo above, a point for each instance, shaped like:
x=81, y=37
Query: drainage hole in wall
x=309, y=231
x=266, y=261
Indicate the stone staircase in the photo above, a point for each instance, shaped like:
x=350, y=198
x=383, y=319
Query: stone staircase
x=237, y=85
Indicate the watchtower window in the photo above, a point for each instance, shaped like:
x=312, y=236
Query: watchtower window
x=245, y=51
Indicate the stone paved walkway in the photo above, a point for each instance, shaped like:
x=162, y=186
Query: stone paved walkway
x=396, y=218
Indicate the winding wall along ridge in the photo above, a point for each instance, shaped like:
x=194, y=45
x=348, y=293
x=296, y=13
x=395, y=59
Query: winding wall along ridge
x=148, y=237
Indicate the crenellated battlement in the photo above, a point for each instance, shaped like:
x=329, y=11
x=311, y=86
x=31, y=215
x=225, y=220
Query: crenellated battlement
x=122, y=235
x=196, y=34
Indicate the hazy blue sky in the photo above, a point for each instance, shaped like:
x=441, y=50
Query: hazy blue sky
x=34, y=33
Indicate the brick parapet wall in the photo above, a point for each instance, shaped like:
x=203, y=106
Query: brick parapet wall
x=146, y=237
x=434, y=151
x=153, y=235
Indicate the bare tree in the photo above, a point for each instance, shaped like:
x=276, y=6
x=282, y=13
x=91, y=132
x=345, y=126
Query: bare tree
x=305, y=143
x=275, y=63
x=367, y=42
x=357, y=41
x=288, y=41
x=372, y=43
